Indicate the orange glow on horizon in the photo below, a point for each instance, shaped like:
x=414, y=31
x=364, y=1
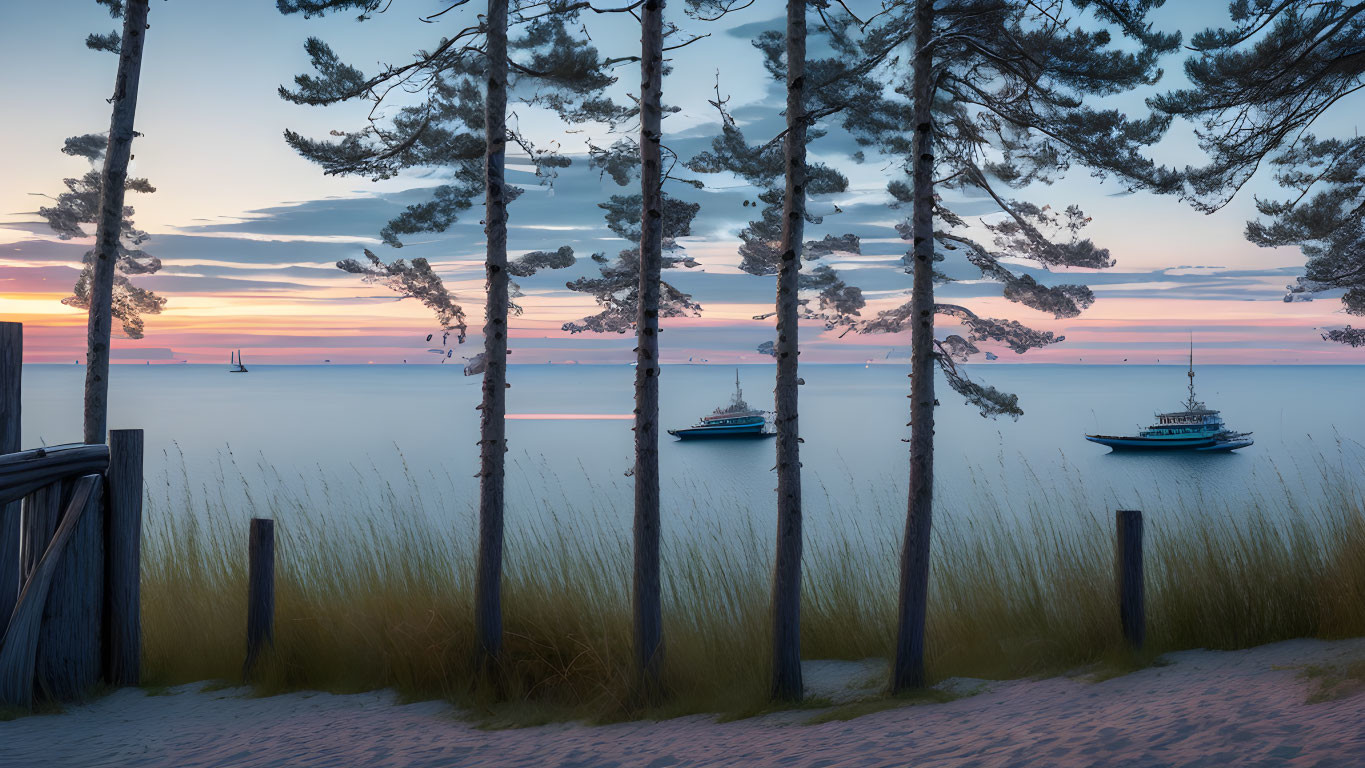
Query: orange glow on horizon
x=333, y=323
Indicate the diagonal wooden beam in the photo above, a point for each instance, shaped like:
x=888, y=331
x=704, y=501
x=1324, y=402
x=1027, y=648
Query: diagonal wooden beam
x=20, y=645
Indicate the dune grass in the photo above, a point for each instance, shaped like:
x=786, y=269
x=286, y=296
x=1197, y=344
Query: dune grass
x=1334, y=682
x=378, y=594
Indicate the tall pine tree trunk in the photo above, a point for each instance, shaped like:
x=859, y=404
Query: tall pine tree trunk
x=492, y=423
x=110, y=224
x=648, y=611
x=786, y=616
x=908, y=671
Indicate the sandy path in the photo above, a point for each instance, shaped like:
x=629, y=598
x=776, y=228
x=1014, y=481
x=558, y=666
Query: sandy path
x=1204, y=709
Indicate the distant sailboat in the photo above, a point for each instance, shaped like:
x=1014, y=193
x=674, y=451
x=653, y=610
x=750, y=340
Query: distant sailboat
x=237, y=362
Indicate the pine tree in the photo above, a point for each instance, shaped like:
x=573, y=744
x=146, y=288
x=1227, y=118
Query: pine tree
x=617, y=287
x=460, y=128
x=647, y=598
x=633, y=295
x=78, y=206
x=991, y=95
x=772, y=245
x=109, y=217
x=1259, y=86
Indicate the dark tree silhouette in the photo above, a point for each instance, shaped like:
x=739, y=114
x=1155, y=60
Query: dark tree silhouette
x=647, y=599
x=1259, y=85
x=990, y=96
x=772, y=245
x=821, y=294
x=413, y=281
x=79, y=205
x=632, y=294
x=98, y=290
x=616, y=289
x=460, y=128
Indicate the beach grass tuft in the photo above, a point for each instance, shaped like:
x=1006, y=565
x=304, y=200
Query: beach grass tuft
x=374, y=590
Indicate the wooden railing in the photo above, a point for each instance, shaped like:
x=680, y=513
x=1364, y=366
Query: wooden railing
x=70, y=552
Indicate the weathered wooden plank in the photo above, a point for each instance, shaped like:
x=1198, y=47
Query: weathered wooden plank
x=260, y=592
x=11, y=387
x=24, y=472
x=42, y=513
x=122, y=559
x=11, y=384
x=69, y=658
x=1128, y=551
x=18, y=650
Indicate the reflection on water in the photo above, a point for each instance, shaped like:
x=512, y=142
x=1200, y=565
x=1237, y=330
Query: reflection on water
x=571, y=441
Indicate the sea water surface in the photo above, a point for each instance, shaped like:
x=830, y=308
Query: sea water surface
x=570, y=439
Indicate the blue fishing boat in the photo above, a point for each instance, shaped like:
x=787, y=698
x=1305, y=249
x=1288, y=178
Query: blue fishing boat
x=737, y=419
x=1197, y=428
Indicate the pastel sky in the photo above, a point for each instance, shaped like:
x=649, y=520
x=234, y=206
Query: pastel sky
x=249, y=232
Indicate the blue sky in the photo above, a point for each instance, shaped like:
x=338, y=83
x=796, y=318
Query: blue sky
x=249, y=231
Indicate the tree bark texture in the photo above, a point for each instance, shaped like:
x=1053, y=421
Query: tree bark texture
x=492, y=423
x=786, y=672
x=109, y=227
x=908, y=669
x=647, y=598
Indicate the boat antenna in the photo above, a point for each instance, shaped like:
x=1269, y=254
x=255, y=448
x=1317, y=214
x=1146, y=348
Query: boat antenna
x=1192, y=403
x=738, y=402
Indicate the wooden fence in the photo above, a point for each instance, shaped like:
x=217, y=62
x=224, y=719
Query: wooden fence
x=70, y=556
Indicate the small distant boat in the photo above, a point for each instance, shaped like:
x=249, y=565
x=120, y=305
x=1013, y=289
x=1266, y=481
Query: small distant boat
x=1197, y=428
x=737, y=419
x=237, y=361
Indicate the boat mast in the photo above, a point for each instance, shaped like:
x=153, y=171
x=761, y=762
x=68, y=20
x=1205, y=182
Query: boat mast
x=1192, y=404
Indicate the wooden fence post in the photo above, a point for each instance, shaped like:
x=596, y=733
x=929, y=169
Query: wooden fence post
x=122, y=559
x=1128, y=557
x=11, y=390
x=260, y=592
x=19, y=649
x=69, y=660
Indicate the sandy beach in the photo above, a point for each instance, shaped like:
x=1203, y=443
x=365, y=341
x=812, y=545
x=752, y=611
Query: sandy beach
x=1201, y=708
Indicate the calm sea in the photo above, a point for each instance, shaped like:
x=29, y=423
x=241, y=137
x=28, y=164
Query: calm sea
x=571, y=442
